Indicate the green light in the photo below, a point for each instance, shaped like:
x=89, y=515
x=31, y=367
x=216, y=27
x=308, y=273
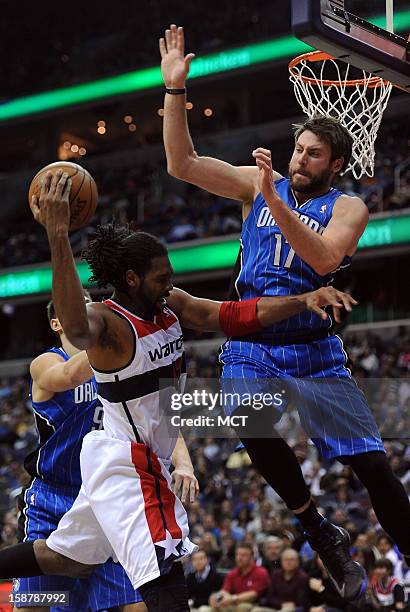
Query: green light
x=216, y=255
x=148, y=78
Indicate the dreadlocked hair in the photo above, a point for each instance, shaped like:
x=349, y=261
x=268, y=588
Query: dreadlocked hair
x=117, y=249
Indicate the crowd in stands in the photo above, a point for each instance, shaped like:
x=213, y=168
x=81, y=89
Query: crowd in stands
x=118, y=39
x=178, y=212
x=239, y=521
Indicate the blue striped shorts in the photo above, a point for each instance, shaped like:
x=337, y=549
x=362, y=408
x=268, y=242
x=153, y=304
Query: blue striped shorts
x=314, y=379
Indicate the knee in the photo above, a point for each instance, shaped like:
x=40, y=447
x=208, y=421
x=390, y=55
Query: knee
x=372, y=466
x=74, y=569
x=54, y=563
x=244, y=607
x=31, y=609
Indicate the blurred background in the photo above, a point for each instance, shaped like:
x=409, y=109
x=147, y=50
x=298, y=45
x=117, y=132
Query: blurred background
x=105, y=61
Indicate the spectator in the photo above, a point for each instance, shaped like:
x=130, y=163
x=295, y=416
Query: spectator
x=289, y=587
x=322, y=594
x=203, y=581
x=243, y=586
x=386, y=591
x=227, y=558
x=271, y=552
x=386, y=551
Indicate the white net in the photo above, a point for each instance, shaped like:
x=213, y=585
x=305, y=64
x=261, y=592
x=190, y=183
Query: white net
x=324, y=86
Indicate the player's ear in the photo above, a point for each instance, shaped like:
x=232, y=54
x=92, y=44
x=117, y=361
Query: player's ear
x=133, y=280
x=338, y=164
x=56, y=325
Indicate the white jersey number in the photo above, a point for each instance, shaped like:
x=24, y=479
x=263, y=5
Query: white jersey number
x=280, y=243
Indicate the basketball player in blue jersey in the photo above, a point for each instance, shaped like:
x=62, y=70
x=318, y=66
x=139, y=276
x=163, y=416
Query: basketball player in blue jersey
x=65, y=407
x=296, y=232
x=126, y=507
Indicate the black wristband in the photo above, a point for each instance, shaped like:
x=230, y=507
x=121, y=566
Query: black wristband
x=175, y=92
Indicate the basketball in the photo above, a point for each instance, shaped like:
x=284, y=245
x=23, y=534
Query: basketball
x=83, y=196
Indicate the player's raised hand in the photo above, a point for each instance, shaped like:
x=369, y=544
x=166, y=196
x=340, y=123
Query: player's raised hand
x=52, y=208
x=263, y=160
x=174, y=63
x=316, y=301
x=185, y=485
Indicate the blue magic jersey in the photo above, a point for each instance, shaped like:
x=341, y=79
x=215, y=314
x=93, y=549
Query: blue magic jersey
x=62, y=422
x=269, y=266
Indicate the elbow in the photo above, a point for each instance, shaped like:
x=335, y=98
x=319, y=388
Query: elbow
x=174, y=171
x=323, y=269
x=180, y=169
x=74, y=380
x=326, y=266
x=79, y=340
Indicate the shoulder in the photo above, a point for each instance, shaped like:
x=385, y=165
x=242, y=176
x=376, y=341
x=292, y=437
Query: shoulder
x=177, y=299
x=43, y=362
x=276, y=574
x=98, y=308
x=346, y=204
x=259, y=569
x=261, y=573
x=102, y=315
x=302, y=574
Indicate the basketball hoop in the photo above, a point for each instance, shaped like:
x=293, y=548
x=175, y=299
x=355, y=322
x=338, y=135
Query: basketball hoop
x=323, y=86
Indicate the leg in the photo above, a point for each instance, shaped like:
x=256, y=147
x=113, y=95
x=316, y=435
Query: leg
x=36, y=559
x=168, y=593
x=269, y=453
x=288, y=481
x=53, y=563
x=31, y=609
x=244, y=607
x=135, y=607
x=387, y=494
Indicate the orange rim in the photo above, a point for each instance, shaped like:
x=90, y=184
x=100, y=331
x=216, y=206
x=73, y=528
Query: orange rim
x=320, y=56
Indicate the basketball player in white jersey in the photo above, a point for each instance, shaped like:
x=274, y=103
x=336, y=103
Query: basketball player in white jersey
x=126, y=508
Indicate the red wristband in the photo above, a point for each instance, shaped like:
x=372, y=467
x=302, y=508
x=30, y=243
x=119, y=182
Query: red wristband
x=239, y=318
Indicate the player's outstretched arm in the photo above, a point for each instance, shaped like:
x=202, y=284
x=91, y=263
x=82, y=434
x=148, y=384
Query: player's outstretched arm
x=52, y=211
x=250, y=316
x=51, y=374
x=214, y=175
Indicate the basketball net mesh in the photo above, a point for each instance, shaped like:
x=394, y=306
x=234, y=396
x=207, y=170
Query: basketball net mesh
x=358, y=103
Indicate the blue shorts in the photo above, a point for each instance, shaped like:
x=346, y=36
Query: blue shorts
x=313, y=378
x=42, y=505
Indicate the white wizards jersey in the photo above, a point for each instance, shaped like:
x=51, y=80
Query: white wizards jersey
x=136, y=399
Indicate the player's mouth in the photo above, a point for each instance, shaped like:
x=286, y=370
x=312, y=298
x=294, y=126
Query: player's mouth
x=162, y=301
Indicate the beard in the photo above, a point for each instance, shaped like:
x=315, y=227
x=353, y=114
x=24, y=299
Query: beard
x=314, y=184
x=153, y=305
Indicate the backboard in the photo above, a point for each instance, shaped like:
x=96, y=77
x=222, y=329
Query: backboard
x=342, y=28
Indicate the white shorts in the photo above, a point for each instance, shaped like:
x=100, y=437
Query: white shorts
x=125, y=510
